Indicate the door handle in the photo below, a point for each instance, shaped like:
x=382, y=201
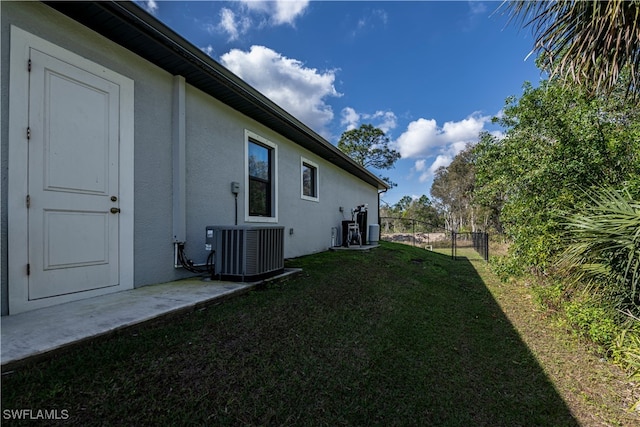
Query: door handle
x=115, y=210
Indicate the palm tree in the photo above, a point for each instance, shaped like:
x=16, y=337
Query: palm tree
x=605, y=246
x=591, y=42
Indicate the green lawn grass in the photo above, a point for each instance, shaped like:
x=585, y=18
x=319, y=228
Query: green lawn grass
x=394, y=336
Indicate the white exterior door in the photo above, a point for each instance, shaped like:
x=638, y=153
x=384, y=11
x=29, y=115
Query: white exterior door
x=73, y=179
x=70, y=176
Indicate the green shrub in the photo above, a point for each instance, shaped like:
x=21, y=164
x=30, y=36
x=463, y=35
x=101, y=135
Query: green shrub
x=505, y=267
x=549, y=296
x=626, y=351
x=603, y=256
x=593, y=321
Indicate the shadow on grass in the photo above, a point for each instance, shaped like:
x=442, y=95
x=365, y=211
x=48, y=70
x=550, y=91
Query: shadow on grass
x=462, y=353
x=395, y=336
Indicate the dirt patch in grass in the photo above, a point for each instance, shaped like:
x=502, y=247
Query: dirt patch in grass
x=394, y=336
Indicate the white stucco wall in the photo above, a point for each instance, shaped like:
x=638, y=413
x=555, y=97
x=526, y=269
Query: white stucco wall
x=215, y=154
x=215, y=158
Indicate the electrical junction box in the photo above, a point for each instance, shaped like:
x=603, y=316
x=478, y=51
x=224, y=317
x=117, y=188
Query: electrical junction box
x=235, y=187
x=209, y=242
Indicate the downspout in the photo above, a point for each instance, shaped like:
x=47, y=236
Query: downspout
x=179, y=161
x=380, y=225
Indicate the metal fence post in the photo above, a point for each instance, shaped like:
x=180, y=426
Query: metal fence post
x=486, y=241
x=413, y=224
x=453, y=245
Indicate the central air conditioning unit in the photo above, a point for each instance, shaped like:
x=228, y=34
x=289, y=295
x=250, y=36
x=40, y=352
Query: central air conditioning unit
x=246, y=253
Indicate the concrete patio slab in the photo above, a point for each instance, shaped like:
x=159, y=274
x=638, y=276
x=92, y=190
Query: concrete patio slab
x=38, y=332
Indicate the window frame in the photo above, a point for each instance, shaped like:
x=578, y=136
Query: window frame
x=249, y=138
x=316, y=184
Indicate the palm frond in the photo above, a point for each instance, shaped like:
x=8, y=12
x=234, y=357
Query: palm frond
x=605, y=241
x=590, y=42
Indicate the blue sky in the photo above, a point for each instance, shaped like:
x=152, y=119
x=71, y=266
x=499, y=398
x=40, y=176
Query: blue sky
x=430, y=74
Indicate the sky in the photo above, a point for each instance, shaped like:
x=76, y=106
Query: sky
x=430, y=74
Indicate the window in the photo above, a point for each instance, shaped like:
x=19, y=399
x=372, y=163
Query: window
x=261, y=182
x=309, y=179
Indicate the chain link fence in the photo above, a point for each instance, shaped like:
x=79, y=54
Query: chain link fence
x=414, y=232
x=479, y=241
x=428, y=236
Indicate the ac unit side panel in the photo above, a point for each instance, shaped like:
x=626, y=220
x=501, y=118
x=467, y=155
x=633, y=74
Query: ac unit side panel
x=253, y=253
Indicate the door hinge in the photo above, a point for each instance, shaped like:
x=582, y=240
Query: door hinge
x=28, y=269
x=29, y=65
x=28, y=201
x=28, y=133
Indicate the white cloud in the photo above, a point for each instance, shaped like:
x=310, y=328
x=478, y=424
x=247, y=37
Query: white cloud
x=388, y=120
x=237, y=21
x=287, y=82
x=235, y=26
x=477, y=7
x=151, y=6
x=442, y=160
x=370, y=21
x=384, y=120
x=464, y=130
x=427, y=170
x=420, y=165
x=434, y=146
x=286, y=12
x=278, y=12
x=497, y=134
x=419, y=139
x=423, y=137
x=208, y=50
x=350, y=118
